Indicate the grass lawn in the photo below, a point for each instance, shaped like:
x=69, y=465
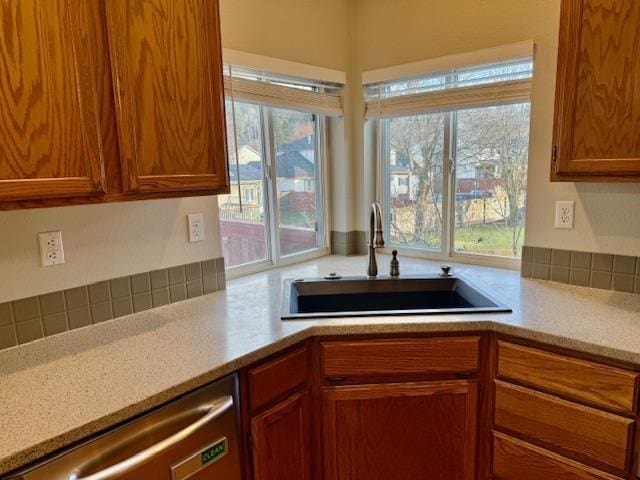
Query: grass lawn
x=488, y=239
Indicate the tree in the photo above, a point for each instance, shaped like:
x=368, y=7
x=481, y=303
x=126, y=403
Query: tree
x=418, y=143
x=498, y=137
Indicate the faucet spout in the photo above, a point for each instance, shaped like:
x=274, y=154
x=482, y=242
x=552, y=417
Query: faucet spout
x=376, y=238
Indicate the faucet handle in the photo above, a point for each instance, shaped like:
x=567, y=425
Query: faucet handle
x=445, y=271
x=394, y=270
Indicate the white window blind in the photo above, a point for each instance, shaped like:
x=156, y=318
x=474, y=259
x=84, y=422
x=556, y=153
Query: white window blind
x=277, y=91
x=483, y=85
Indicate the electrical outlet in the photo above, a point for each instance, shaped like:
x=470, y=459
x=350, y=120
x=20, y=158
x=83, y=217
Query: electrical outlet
x=564, y=215
x=51, y=249
x=196, y=227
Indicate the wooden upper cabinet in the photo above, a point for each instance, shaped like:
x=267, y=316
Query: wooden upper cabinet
x=597, y=111
x=167, y=69
x=50, y=142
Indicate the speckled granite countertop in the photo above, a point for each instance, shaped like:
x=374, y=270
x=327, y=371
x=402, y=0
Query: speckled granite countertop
x=60, y=389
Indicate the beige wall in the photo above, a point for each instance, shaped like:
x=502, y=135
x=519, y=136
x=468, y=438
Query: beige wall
x=391, y=32
x=106, y=241
x=306, y=31
x=101, y=242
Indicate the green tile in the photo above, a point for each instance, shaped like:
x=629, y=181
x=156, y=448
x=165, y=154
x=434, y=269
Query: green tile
x=7, y=337
x=581, y=260
x=142, y=302
x=99, y=292
x=26, y=309
x=208, y=267
x=194, y=288
x=193, y=271
x=6, y=317
x=542, y=255
x=160, y=297
x=52, y=303
x=580, y=277
x=561, y=258
x=177, y=275
x=121, y=307
x=210, y=284
x=560, y=274
x=526, y=269
x=178, y=293
x=79, y=317
x=76, y=297
x=541, y=272
x=29, y=331
x=222, y=281
x=55, y=324
x=624, y=264
x=219, y=264
x=101, y=312
x=636, y=288
x=601, y=280
x=120, y=287
x=602, y=262
x=339, y=249
x=623, y=282
x=159, y=279
x=140, y=283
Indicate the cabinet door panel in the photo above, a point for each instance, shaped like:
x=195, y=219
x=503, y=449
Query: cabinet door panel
x=400, y=431
x=167, y=68
x=282, y=441
x=597, y=120
x=49, y=119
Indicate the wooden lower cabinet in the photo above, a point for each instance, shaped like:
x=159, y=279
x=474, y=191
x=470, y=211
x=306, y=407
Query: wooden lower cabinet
x=515, y=459
x=400, y=431
x=440, y=408
x=281, y=440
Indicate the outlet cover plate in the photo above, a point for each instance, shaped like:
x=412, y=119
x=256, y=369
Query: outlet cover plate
x=196, y=227
x=564, y=214
x=51, y=248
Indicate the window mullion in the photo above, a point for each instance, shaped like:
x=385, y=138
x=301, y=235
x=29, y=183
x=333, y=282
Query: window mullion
x=271, y=201
x=447, y=187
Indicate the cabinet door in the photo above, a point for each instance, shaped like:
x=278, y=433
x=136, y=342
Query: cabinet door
x=400, y=431
x=282, y=441
x=167, y=67
x=597, y=119
x=50, y=142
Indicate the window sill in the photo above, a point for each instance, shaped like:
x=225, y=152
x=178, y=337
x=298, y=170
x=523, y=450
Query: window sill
x=473, y=259
x=264, y=265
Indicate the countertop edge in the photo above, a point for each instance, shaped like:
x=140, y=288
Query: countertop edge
x=43, y=449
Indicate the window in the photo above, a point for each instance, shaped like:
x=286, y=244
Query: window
x=268, y=217
x=454, y=151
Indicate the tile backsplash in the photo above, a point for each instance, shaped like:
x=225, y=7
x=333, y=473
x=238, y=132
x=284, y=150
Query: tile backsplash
x=586, y=269
x=27, y=319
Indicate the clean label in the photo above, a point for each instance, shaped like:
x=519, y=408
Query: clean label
x=214, y=452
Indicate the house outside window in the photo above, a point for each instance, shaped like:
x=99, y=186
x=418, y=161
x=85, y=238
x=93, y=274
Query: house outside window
x=454, y=175
x=275, y=211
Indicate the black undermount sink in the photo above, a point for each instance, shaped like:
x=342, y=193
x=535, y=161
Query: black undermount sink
x=363, y=296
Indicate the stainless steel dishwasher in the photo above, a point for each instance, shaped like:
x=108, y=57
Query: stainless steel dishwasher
x=194, y=437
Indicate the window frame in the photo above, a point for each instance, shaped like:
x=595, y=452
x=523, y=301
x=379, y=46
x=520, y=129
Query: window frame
x=447, y=250
x=271, y=211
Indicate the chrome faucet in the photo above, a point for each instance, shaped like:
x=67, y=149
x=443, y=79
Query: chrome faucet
x=376, y=240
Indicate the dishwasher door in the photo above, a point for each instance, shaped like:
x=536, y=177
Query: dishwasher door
x=194, y=438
